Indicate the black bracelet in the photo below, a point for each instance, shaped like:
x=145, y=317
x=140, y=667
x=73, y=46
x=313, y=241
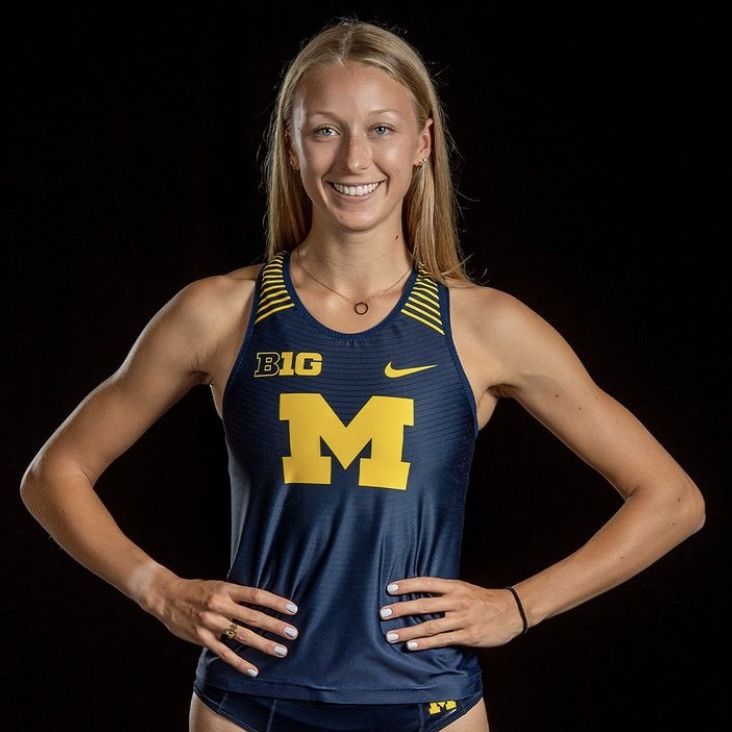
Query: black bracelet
x=521, y=609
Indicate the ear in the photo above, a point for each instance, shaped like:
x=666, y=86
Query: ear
x=425, y=140
x=291, y=155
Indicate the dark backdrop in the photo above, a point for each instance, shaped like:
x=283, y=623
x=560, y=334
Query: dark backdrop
x=588, y=142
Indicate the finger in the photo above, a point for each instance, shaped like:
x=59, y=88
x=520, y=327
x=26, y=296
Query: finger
x=420, y=584
x=258, y=619
x=253, y=639
x=455, y=638
x=258, y=596
x=422, y=630
x=417, y=607
x=233, y=659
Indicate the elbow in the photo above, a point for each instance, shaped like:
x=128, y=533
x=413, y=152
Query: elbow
x=699, y=513
x=31, y=488
x=27, y=484
x=693, y=508
x=683, y=508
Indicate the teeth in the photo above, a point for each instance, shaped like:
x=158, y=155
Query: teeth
x=356, y=190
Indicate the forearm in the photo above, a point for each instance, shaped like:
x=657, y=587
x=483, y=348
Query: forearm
x=645, y=528
x=68, y=507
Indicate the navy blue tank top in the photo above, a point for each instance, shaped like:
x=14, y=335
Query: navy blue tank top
x=349, y=457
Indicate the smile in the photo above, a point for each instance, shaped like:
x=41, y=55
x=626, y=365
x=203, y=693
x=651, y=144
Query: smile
x=355, y=191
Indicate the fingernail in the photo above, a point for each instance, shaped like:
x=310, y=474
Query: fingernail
x=385, y=612
x=393, y=587
x=289, y=630
x=412, y=645
x=280, y=650
x=292, y=607
x=252, y=671
x=391, y=637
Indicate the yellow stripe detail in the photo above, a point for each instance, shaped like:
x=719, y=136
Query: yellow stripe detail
x=423, y=303
x=272, y=312
x=427, y=281
x=430, y=304
x=273, y=295
x=269, y=290
x=416, y=317
x=424, y=313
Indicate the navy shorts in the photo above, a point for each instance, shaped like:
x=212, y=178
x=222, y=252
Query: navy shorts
x=266, y=714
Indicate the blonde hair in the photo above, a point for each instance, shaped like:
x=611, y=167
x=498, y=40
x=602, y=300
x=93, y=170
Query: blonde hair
x=429, y=212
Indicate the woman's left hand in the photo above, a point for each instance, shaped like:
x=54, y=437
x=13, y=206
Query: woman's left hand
x=473, y=615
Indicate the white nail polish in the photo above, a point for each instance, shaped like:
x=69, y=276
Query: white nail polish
x=391, y=637
x=392, y=587
x=291, y=632
x=280, y=650
x=292, y=607
x=385, y=612
x=411, y=645
x=252, y=671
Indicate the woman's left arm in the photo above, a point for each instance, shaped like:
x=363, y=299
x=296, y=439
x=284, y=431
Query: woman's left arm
x=662, y=505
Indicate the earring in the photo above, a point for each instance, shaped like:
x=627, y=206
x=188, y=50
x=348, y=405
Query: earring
x=421, y=163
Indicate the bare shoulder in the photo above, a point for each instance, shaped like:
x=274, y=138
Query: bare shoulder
x=488, y=308
x=214, y=307
x=472, y=297
x=508, y=335
x=208, y=298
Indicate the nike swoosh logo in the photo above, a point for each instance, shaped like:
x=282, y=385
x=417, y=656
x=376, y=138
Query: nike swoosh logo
x=393, y=373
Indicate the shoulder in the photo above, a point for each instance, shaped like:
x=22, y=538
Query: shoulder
x=206, y=297
x=512, y=336
x=487, y=309
x=208, y=308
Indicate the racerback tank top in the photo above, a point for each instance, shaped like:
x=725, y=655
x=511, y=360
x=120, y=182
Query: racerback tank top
x=349, y=457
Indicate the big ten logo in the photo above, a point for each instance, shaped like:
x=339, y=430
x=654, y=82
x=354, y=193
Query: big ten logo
x=288, y=363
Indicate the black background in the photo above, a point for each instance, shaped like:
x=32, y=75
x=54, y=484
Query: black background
x=588, y=180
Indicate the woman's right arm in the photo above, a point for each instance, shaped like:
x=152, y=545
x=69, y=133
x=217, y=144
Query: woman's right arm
x=166, y=361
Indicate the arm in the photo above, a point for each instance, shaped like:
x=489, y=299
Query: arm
x=662, y=505
x=58, y=486
x=168, y=359
x=528, y=360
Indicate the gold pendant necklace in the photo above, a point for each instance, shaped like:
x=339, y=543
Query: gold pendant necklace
x=361, y=307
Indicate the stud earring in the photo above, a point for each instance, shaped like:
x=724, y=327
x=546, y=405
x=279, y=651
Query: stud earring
x=421, y=163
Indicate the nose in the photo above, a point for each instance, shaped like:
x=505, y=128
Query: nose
x=357, y=153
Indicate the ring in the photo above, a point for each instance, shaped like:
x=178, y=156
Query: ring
x=230, y=632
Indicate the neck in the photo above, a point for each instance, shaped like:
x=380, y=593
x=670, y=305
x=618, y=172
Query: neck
x=355, y=268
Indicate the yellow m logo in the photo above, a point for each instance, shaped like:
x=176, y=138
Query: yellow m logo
x=380, y=421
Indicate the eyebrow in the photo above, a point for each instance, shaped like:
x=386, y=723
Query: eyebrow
x=327, y=113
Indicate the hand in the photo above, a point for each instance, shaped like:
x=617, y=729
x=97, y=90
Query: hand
x=199, y=611
x=473, y=615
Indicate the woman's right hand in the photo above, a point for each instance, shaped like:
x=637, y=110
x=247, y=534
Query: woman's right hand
x=199, y=611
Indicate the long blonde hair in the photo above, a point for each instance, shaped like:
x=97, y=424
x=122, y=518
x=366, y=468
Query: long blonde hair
x=429, y=211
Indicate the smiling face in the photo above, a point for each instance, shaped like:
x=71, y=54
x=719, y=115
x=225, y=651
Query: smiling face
x=355, y=126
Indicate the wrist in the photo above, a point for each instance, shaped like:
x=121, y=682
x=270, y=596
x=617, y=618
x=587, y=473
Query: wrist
x=530, y=603
x=524, y=623
x=151, y=587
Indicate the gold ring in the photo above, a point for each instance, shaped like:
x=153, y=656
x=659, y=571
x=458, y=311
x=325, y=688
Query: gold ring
x=230, y=632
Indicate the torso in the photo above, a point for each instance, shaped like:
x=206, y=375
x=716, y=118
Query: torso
x=468, y=303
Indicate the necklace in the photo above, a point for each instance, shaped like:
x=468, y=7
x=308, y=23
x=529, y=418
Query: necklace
x=361, y=307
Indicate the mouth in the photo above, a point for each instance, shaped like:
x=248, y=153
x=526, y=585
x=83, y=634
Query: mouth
x=361, y=191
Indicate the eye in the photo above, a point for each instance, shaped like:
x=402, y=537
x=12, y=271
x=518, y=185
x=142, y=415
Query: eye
x=320, y=129
x=317, y=131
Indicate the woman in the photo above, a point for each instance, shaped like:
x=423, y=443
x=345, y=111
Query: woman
x=353, y=371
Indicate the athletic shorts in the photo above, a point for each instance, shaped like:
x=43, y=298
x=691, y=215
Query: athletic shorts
x=267, y=714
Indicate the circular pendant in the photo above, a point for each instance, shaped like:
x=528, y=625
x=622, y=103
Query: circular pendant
x=364, y=308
